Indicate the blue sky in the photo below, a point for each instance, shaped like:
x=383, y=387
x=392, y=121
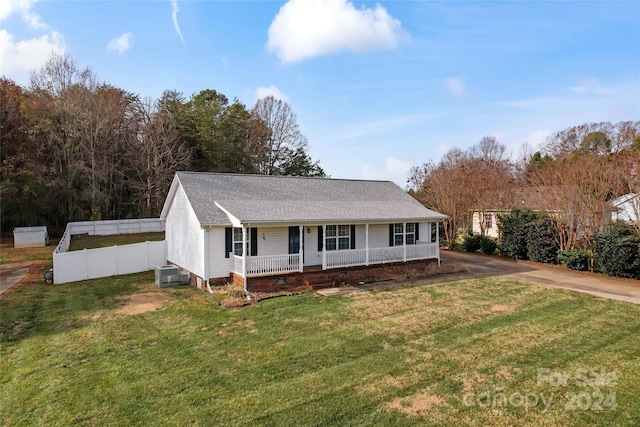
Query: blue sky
x=377, y=87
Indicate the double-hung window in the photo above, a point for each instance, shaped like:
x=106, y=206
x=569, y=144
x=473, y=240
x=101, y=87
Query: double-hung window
x=399, y=233
x=338, y=237
x=488, y=221
x=237, y=241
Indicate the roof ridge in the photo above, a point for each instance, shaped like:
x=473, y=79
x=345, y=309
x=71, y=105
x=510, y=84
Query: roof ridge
x=256, y=175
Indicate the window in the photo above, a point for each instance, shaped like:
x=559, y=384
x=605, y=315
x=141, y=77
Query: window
x=400, y=232
x=237, y=241
x=488, y=221
x=338, y=237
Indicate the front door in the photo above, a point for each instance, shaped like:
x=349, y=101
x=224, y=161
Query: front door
x=294, y=240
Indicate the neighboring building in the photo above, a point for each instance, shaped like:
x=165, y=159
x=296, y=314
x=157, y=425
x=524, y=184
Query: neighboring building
x=556, y=201
x=30, y=237
x=628, y=208
x=267, y=231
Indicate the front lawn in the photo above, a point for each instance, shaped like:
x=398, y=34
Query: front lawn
x=117, y=351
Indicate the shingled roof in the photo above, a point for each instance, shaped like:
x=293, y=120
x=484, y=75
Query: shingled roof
x=285, y=199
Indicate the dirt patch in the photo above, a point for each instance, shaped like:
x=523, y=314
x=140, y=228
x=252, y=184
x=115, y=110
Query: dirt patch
x=418, y=405
x=143, y=302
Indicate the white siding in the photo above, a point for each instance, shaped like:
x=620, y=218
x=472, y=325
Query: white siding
x=378, y=235
x=219, y=265
x=425, y=233
x=491, y=232
x=273, y=241
x=185, y=238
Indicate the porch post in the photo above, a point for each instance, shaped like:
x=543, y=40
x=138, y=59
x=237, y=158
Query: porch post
x=438, y=242
x=366, y=244
x=404, y=241
x=244, y=257
x=324, y=247
x=301, y=251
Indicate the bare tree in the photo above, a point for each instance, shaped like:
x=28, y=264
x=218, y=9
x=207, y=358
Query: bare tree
x=283, y=133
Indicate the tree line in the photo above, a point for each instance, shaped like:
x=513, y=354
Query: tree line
x=76, y=148
x=571, y=177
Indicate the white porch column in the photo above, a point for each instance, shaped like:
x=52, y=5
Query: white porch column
x=205, y=251
x=324, y=247
x=244, y=257
x=301, y=251
x=438, y=242
x=404, y=241
x=366, y=243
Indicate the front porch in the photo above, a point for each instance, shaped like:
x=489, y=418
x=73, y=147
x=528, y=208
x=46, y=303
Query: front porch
x=255, y=266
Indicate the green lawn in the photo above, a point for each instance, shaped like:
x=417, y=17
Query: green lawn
x=427, y=354
x=91, y=242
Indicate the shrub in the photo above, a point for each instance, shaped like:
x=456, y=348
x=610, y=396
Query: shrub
x=471, y=242
x=617, y=250
x=487, y=245
x=575, y=259
x=542, y=245
x=513, y=228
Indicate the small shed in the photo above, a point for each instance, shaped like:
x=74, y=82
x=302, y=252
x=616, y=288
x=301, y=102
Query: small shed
x=30, y=237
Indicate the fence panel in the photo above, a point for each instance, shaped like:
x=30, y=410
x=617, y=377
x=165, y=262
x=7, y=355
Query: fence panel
x=105, y=262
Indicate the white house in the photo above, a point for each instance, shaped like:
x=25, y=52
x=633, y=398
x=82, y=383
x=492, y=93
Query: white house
x=628, y=208
x=30, y=237
x=290, y=226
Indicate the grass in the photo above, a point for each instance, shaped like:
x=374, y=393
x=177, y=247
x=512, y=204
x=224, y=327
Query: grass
x=117, y=351
x=91, y=242
x=10, y=254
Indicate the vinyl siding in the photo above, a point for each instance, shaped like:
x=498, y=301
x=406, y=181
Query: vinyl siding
x=218, y=265
x=185, y=238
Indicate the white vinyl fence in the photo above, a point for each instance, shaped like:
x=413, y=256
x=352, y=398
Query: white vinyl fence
x=109, y=261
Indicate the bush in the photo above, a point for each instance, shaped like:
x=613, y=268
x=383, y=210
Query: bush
x=471, y=242
x=617, y=250
x=575, y=259
x=513, y=228
x=542, y=245
x=487, y=245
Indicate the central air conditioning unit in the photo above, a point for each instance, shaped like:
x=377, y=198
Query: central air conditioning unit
x=167, y=275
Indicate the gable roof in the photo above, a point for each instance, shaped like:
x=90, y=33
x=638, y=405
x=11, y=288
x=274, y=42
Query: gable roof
x=286, y=199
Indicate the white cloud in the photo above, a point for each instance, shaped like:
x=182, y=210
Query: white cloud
x=395, y=170
x=23, y=7
x=305, y=29
x=262, y=92
x=19, y=58
x=122, y=43
x=174, y=17
x=455, y=85
x=586, y=85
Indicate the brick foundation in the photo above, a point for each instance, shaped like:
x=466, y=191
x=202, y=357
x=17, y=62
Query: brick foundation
x=335, y=276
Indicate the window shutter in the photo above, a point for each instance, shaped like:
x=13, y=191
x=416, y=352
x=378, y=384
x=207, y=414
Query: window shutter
x=353, y=236
x=320, y=238
x=228, y=241
x=391, y=239
x=417, y=232
x=254, y=241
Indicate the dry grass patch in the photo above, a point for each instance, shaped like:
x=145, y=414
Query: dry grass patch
x=419, y=405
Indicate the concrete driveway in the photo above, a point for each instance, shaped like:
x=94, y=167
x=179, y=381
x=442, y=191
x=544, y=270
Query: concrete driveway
x=602, y=286
x=12, y=273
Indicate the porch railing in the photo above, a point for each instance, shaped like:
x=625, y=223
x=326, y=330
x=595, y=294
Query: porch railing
x=346, y=258
x=266, y=265
x=277, y=264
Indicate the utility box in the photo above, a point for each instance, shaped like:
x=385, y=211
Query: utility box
x=167, y=275
x=30, y=237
